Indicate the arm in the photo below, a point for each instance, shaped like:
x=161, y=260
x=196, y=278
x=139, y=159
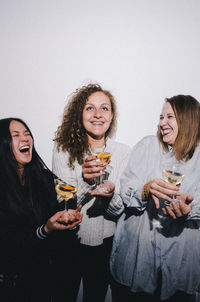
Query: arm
x=115, y=204
x=135, y=176
x=74, y=177
x=16, y=236
x=61, y=169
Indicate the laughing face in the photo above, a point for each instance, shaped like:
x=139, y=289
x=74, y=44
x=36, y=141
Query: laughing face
x=22, y=143
x=168, y=124
x=97, y=115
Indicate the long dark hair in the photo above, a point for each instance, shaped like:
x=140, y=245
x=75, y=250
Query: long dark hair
x=32, y=198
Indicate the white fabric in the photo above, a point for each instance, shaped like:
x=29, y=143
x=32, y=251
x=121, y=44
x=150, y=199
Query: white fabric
x=93, y=230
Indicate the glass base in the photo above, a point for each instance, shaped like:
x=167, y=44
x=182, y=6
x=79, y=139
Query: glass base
x=100, y=188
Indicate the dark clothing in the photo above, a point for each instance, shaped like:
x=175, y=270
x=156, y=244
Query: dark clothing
x=95, y=270
x=66, y=265
x=24, y=258
x=91, y=263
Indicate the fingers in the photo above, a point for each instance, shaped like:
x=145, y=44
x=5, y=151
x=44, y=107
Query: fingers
x=56, y=216
x=91, y=158
x=156, y=200
x=72, y=225
x=92, y=163
x=92, y=168
x=73, y=221
x=178, y=209
x=105, y=189
x=185, y=208
x=189, y=199
x=169, y=211
x=78, y=209
x=96, y=193
x=69, y=220
x=161, y=189
x=175, y=210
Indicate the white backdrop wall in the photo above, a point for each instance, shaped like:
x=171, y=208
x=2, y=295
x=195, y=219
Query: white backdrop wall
x=140, y=50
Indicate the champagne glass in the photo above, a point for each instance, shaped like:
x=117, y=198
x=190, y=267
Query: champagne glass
x=173, y=174
x=65, y=192
x=103, y=157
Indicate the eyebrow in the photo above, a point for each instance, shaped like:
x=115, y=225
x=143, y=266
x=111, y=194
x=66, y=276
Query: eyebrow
x=17, y=131
x=101, y=104
x=169, y=113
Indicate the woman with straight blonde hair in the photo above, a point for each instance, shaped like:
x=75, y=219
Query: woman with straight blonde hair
x=156, y=249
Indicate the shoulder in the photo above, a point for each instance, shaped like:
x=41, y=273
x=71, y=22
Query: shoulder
x=149, y=140
x=48, y=174
x=58, y=153
x=115, y=145
x=148, y=144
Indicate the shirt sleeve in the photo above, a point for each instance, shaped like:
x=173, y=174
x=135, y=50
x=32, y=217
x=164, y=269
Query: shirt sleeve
x=61, y=169
x=195, y=208
x=17, y=237
x=135, y=175
x=116, y=205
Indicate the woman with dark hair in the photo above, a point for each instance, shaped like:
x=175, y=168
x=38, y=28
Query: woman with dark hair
x=89, y=120
x=156, y=249
x=29, y=216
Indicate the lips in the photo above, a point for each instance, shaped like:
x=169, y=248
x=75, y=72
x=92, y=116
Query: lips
x=166, y=131
x=97, y=123
x=24, y=149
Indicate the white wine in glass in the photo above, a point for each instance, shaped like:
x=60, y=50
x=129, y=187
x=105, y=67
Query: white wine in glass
x=104, y=157
x=173, y=175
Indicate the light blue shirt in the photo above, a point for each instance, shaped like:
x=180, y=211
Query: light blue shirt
x=145, y=241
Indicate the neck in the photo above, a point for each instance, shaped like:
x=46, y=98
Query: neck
x=96, y=143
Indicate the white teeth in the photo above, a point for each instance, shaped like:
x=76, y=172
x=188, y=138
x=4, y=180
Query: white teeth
x=97, y=123
x=165, y=131
x=24, y=148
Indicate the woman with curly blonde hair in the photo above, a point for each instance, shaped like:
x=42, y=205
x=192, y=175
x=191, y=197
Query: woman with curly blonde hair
x=71, y=136
x=89, y=121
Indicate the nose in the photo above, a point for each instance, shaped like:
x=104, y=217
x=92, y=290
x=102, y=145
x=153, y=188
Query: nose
x=97, y=113
x=24, y=138
x=163, y=121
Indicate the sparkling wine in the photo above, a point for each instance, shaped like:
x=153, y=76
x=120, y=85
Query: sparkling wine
x=104, y=157
x=65, y=191
x=172, y=177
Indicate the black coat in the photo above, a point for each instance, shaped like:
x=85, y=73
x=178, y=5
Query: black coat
x=25, y=260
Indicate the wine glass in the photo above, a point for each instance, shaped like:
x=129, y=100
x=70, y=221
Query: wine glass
x=103, y=157
x=173, y=173
x=65, y=192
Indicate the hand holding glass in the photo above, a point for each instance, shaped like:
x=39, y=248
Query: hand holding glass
x=103, y=157
x=173, y=174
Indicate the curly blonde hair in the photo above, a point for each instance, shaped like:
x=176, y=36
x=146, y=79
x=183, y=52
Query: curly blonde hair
x=71, y=135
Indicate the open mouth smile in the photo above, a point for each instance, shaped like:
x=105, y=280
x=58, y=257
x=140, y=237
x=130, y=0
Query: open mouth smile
x=97, y=123
x=24, y=149
x=166, y=131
